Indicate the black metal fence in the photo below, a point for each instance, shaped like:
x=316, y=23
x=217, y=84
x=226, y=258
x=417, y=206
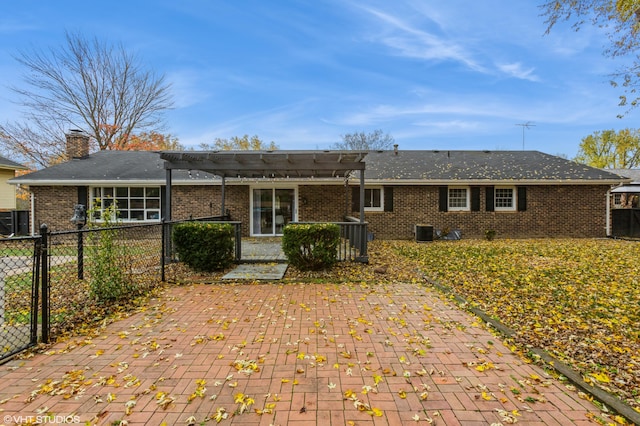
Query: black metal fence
x=19, y=288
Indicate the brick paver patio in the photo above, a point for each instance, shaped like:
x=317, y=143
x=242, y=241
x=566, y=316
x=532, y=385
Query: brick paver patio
x=289, y=354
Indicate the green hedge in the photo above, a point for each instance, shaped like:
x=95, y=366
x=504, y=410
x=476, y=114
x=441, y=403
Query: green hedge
x=204, y=246
x=311, y=246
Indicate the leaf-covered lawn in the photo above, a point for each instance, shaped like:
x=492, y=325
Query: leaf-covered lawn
x=578, y=299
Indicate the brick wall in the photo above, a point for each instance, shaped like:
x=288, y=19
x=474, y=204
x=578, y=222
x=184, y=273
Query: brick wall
x=322, y=203
x=204, y=201
x=552, y=211
x=54, y=206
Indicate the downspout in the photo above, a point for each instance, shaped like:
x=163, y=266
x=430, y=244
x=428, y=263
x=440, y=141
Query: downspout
x=222, y=190
x=33, y=214
x=608, y=217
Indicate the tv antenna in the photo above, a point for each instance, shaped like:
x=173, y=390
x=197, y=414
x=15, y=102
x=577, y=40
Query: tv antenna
x=525, y=126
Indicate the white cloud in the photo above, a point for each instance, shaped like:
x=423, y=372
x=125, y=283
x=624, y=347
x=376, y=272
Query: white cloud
x=517, y=70
x=406, y=40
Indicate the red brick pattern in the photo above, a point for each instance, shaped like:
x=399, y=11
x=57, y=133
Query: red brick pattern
x=303, y=353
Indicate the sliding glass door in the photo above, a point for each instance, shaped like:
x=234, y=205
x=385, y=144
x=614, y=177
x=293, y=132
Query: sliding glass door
x=272, y=209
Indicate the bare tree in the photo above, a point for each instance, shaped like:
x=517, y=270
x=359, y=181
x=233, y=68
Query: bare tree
x=361, y=141
x=87, y=84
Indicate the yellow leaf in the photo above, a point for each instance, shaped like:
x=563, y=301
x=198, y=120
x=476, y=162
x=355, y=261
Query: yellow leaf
x=601, y=377
x=349, y=394
x=377, y=379
x=377, y=412
x=486, y=396
x=402, y=394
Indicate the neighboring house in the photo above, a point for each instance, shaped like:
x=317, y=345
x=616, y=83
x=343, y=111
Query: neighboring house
x=625, y=205
x=8, y=192
x=515, y=193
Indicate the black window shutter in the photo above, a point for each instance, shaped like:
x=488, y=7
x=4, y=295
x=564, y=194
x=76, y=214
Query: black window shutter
x=490, y=191
x=444, y=199
x=83, y=196
x=388, y=198
x=522, y=198
x=355, y=199
x=475, y=199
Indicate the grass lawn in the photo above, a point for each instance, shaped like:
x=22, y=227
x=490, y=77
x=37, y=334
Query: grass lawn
x=578, y=299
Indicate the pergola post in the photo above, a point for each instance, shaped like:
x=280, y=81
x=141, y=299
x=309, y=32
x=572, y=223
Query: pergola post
x=166, y=226
x=364, y=257
x=167, y=196
x=361, y=196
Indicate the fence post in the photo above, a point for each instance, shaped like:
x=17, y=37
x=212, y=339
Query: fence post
x=164, y=250
x=238, y=241
x=44, y=270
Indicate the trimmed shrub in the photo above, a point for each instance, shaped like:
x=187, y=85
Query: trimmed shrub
x=311, y=246
x=204, y=246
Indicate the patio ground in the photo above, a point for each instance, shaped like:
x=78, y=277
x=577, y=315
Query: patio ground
x=290, y=354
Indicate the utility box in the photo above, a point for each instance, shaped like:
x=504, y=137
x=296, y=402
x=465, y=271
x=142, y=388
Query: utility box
x=424, y=233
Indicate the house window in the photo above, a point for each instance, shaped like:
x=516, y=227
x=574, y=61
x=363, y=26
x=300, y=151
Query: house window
x=505, y=199
x=618, y=201
x=458, y=199
x=133, y=204
x=373, y=199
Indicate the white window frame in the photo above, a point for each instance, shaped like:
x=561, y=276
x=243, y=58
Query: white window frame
x=617, y=200
x=514, y=201
x=150, y=212
x=371, y=189
x=467, y=206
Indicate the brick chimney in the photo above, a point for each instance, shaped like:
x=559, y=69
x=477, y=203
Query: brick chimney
x=77, y=144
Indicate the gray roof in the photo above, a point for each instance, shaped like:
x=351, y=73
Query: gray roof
x=633, y=174
x=481, y=166
x=143, y=167
x=5, y=163
x=418, y=167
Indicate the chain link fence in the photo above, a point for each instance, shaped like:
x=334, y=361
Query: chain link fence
x=91, y=270
x=18, y=294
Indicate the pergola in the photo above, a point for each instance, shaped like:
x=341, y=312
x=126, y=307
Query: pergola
x=266, y=164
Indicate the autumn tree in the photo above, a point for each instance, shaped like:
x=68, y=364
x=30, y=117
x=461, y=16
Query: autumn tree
x=151, y=141
x=235, y=143
x=361, y=141
x=621, y=19
x=84, y=84
x=610, y=149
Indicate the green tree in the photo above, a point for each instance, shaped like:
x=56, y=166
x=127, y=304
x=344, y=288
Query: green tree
x=610, y=149
x=85, y=84
x=621, y=19
x=361, y=141
x=235, y=143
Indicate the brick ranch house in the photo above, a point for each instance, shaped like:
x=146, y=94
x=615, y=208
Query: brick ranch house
x=517, y=194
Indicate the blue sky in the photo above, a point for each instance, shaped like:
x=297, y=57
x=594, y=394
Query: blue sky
x=453, y=74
